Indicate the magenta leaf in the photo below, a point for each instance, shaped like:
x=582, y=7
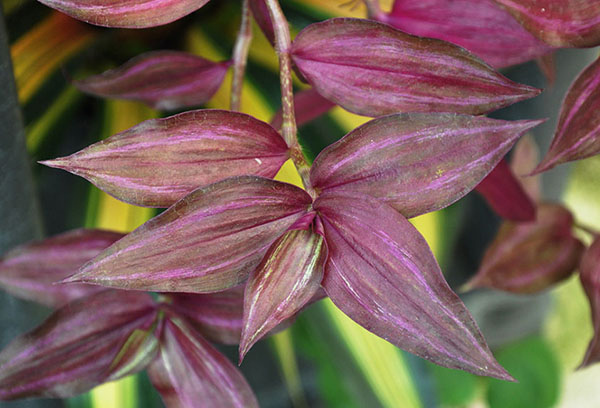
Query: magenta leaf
x=126, y=13
x=162, y=79
x=190, y=373
x=159, y=161
x=505, y=194
x=308, y=105
x=416, y=162
x=261, y=15
x=381, y=273
x=561, y=23
x=532, y=256
x=480, y=26
x=87, y=342
x=372, y=69
x=32, y=270
x=578, y=130
x=287, y=278
x=207, y=242
x=590, y=279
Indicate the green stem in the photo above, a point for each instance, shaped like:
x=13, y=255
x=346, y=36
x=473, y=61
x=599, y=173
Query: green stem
x=240, y=57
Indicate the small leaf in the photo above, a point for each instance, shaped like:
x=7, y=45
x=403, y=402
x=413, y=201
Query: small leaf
x=32, y=270
x=308, y=105
x=190, y=373
x=207, y=242
x=590, y=279
x=578, y=131
x=261, y=15
x=381, y=273
x=372, y=69
x=417, y=163
x=504, y=193
x=288, y=277
x=162, y=79
x=530, y=257
x=126, y=13
x=480, y=26
x=89, y=341
x=159, y=161
x=564, y=23
x=525, y=157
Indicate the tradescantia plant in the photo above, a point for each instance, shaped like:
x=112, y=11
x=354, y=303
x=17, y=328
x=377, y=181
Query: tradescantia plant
x=228, y=223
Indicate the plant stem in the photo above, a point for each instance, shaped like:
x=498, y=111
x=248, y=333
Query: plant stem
x=373, y=10
x=289, y=130
x=240, y=57
x=595, y=234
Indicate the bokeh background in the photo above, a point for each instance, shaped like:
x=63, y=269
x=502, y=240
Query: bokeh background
x=324, y=359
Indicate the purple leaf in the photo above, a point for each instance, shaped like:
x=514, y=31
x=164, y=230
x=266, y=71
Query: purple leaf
x=372, y=69
x=261, y=15
x=308, y=105
x=381, y=273
x=159, y=161
x=207, y=242
x=31, y=270
x=287, y=278
x=530, y=257
x=126, y=13
x=90, y=341
x=417, y=163
x=162, y=79
x=190, y=373
x=561, y=23
x=578, y=131
x=504, y=193
x=480, y=26
x=590, y=279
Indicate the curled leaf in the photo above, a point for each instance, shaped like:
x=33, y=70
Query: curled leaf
x=87, y=342
x=31, y=271
x=381, y=273
x=126, y=13
x=530, y=257
x=417, y=163
x=159, y=161
x=590, y=279
x=308, y=105
x=561, y=23
x=162, y=79
x=372, y=69
x=190, y=373
x=578, y=131
x=288, y=277
x=207, y=242
x=480, y=26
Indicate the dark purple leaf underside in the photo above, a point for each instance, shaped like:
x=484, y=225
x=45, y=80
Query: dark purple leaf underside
x=416, y=162
x=32, y=270
x=159, y=161
x=87, y=342
x=162, y=79
x=381, y=273
x=590, y=279
x=578, y=132
x=561, y=23
x=308, y=105
x=480, y=26
x=190, y=373
x=372, y=69
x=126, y=13
x=260, y=12
x=532, y=256
x=207, y=242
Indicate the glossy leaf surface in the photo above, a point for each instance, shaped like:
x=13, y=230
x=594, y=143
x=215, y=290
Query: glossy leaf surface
x=90, y=341
x=207, y=242
x=561, y=23
x=578, y=131
x=417, y=163
x=288, y=277
x=162, y=79
x=372, y=69
x=31, y=271
x=190, y=373
x=480, y=26
x=159, y=161
x=590, y=279
x=381, y=273
x=530, y=257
